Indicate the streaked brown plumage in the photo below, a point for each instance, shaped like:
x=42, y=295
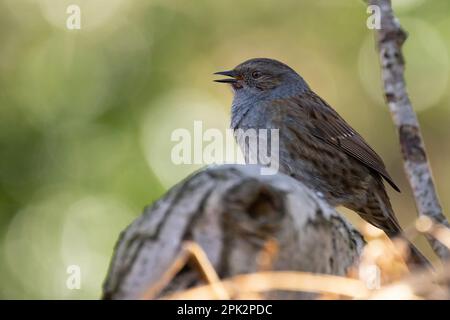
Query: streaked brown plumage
x=317, y=146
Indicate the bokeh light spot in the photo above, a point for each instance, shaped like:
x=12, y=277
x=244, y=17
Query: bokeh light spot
x=427, y=65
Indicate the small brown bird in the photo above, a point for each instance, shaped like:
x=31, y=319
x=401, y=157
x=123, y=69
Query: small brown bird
x=316, y=145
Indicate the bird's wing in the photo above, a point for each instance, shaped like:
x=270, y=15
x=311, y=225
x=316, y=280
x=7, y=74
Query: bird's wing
x=329, y=126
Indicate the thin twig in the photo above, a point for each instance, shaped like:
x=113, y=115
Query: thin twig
x=280, y=280
x=420, y=285
x=206, y=269
x=190, y=250
x=390, y=38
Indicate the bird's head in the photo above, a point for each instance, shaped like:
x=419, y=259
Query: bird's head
x=263, y=77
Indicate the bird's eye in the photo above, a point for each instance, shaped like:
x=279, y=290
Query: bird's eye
x=256, y=74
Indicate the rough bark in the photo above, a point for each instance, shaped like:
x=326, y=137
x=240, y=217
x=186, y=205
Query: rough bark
x=232, y=212
x=390, y=38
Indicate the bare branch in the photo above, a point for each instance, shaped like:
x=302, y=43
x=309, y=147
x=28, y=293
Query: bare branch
x=390, y=39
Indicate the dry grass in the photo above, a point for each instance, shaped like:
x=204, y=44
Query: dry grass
x=380, y=274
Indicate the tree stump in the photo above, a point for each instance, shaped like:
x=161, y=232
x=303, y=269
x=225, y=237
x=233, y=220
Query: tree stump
x=233, y=213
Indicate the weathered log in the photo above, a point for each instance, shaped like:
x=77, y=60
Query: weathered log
x=232, y=212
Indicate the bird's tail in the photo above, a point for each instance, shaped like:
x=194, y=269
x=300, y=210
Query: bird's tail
x=379, y=212
x=415, y=258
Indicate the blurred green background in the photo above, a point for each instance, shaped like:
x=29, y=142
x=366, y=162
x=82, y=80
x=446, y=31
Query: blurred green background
x=86, y=115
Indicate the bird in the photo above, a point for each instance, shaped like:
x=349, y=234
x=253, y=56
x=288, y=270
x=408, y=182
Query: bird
x=316, y=145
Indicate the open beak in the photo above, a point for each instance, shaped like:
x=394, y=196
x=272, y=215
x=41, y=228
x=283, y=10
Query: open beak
x=230, y=73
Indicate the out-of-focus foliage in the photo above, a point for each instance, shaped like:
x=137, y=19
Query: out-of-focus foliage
x=86, y=115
